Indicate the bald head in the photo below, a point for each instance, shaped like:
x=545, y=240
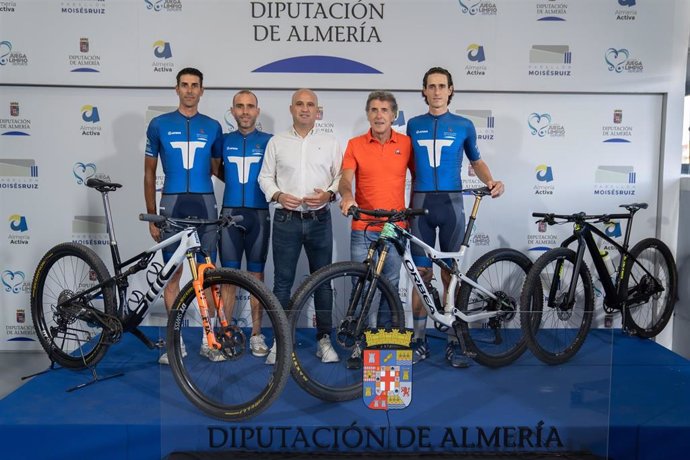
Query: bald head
x=304, y=108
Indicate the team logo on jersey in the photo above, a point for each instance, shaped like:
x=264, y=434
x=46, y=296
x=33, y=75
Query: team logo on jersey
x=387, y=370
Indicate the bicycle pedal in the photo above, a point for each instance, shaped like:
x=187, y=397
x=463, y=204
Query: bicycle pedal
x=160, y=344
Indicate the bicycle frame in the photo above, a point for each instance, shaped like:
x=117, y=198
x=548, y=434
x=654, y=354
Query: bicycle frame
x=616, y=295
x=396, y=235
x=449, y=314
x=189, y=244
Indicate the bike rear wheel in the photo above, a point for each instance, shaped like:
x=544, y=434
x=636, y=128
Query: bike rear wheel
x=333, y=287
x=238, y=384
x=554, y=329
x=499, y=340
x=69, y=333
x=656, y=293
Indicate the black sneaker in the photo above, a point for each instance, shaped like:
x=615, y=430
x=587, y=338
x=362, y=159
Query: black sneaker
x=354, y=362
x=455, y=356
x=420, y=350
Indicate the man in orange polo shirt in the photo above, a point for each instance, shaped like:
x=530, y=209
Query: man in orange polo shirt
x=378, y=161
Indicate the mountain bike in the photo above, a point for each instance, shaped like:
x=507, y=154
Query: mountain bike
x=79, y=310
x=557, y=301
x=482, y=311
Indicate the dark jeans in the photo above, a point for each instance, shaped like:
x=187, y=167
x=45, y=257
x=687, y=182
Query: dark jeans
x=313, y=231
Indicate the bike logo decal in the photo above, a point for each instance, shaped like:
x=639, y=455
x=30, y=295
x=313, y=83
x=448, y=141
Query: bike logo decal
x=387, y=370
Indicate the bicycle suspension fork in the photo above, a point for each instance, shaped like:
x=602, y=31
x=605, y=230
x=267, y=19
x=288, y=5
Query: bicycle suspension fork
x=198, y=272
x=374, y=270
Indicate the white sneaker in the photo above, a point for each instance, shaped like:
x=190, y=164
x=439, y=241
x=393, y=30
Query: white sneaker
x=164, y=357
x=211, y=353
x=257, y=343
x=271, y=358
x=326, y=351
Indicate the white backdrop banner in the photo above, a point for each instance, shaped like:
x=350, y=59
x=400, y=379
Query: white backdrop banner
x=577, y=104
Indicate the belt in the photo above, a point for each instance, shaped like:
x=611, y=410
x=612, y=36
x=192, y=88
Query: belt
x=305, y=214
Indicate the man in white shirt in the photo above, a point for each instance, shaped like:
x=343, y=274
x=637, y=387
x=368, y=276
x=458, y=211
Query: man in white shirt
x=300, y=173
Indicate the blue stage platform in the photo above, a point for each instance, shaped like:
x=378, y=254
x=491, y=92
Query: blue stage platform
x=620, y=397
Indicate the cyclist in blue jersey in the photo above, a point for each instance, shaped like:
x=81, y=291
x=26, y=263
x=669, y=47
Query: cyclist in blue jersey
x=439, y=140
x=186, y=142
x=243, y=154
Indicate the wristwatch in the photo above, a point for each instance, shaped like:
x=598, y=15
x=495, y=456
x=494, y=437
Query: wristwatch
x=332, y=195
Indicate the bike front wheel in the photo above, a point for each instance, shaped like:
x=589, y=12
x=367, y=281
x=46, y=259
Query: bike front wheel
x=236, y=382
x=651, y=284
x=555, y=329
x=497, y=340
x=70, y=331
x=330, y=303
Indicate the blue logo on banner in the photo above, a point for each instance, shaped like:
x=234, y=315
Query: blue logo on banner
x=18, y=223
x=90, y=114
x=5, y=50
x=613, y=229
x=616, y=59
x=476, y=53
x=544, y=173
x=539, y=123
x=83, y=171
x=471, y=7
x=627, y=2
x=316, y=64
x=162, y=49
x=13, y=281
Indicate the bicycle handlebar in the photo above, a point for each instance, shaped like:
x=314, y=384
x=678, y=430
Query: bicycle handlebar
x=550, y=218
x=224, y=221
x=391, y=215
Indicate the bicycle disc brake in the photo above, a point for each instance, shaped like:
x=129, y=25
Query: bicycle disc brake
x=346, y=335
x=232, y=342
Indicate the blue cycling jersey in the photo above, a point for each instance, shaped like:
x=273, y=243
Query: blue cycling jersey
x=242, y=159
x=438, y=143
x=185, y=147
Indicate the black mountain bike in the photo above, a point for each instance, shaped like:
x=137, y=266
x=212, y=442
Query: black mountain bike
x=557, y=300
